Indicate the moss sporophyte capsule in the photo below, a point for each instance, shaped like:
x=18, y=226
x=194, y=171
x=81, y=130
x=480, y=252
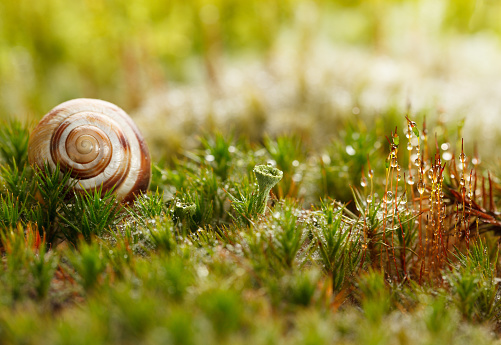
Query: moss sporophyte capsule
x=267, y=177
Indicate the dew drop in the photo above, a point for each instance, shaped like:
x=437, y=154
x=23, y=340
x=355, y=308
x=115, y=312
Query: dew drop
x=420, y=187
x=363, y=181
x=434, y=177
x=410, y=180
x=462, y=157
x=389, y=196
x=447, y=156
x=350, y=150
x=369, y=199
x=326, y=159
x=417, y=162
x=370, y=173
x=409, y=146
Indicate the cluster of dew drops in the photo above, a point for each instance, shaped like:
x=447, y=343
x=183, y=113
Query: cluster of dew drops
x=412, y=134
x=426, y=170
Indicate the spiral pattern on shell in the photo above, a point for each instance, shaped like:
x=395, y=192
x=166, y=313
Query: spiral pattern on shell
x=97, y=142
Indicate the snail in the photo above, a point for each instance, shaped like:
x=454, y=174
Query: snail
x=98, y=143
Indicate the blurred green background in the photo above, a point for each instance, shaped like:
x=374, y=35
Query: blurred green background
x=54, y=50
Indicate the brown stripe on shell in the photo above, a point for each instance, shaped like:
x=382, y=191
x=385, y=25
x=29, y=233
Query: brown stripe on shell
x=54, y=148
x=50, y=115
x=143, y=179
x=123, y=141
x=119, y=177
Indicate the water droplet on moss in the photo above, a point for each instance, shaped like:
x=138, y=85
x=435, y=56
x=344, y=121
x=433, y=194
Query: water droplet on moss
x=389, y=196
x=363, y=181
x=350, y=150
x=421, y=187
x=447, y=156
x=462, y=157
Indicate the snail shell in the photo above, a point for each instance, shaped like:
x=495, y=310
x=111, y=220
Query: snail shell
x=97, y=142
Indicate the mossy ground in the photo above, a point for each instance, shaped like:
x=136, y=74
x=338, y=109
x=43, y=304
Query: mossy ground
x=194, y=261
x=381, y=230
